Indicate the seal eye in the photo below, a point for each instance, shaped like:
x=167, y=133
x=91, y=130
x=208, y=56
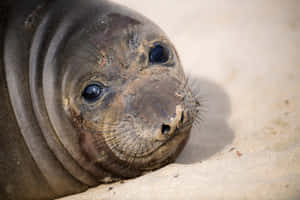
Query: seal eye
x=158, y=54
x=92, y=92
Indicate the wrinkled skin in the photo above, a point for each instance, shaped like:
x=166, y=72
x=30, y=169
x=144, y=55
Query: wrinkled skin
x=52, y=52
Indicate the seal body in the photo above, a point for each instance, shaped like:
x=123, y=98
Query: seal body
x=92, y=93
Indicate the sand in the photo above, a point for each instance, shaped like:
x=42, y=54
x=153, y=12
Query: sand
x=245, y=56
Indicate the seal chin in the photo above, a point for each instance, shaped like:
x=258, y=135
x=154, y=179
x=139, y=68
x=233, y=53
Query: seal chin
x=141, y=145
x=159, y=152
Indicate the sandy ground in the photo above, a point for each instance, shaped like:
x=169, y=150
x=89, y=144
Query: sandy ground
x=245, y=56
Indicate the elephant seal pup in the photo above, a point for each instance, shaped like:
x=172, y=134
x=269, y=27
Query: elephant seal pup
x=97, y=94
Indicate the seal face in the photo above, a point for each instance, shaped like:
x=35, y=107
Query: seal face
x=129, y=100
x=96, y=93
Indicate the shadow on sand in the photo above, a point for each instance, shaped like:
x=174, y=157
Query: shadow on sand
x=214, y=133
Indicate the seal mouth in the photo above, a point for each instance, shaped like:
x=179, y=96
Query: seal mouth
x=133, y=138
x=182, y=130
x=159, y=152
x=168, y=151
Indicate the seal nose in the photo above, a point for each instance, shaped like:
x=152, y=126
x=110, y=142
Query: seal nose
x=158, y=106
x=175, y=123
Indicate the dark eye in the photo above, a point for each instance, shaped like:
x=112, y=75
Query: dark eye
x=158, y=54
x=92, y=92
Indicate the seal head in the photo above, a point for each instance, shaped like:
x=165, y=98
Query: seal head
x=127, y=95
x=111, y=94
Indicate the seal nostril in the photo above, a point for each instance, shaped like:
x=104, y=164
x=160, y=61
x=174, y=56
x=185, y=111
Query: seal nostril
x=182, y=117
x=165, y=129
